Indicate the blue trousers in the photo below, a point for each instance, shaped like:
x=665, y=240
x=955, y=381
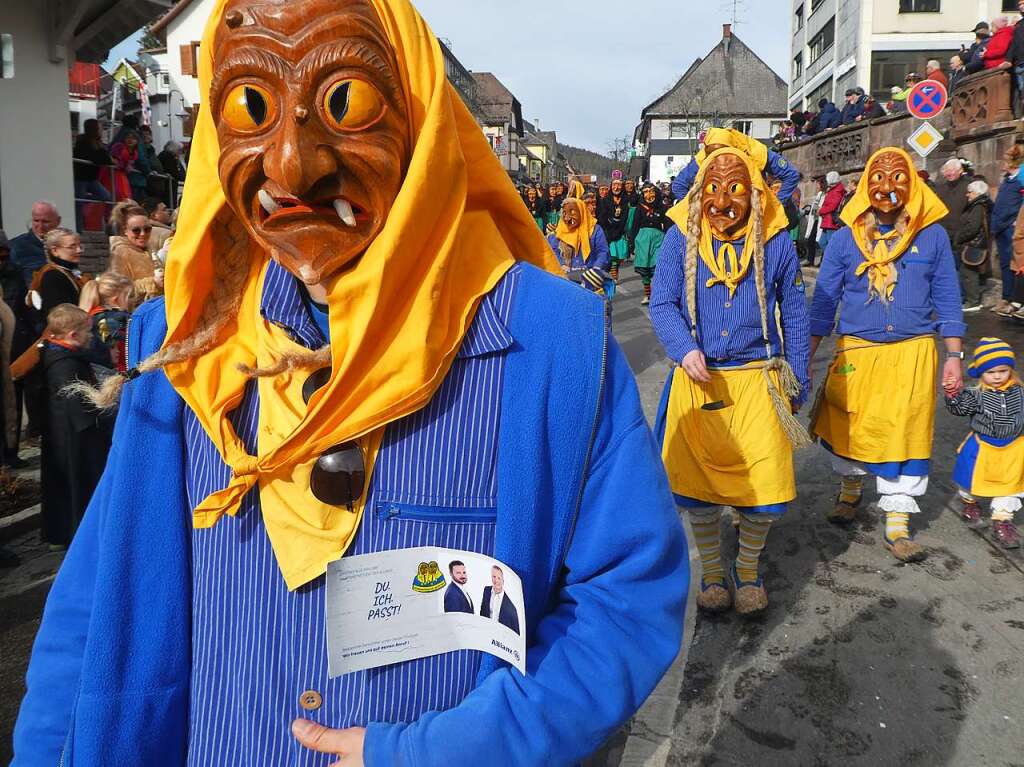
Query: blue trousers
x=1004, y=244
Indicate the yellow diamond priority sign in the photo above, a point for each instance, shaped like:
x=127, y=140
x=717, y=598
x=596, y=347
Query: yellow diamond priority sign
x=925, y=139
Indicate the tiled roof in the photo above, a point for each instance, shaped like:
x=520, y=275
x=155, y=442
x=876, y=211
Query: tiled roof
x=730, y=80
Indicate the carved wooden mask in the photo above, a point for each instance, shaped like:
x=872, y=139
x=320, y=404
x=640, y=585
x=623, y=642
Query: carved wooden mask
x=889, y=182
x=312, y=125
x=726, y=200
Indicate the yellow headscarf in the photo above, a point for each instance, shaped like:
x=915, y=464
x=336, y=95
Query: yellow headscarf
x=756, y=150
x=397, y=316
x=923, y=208
x=727, y=267
x=578, y=240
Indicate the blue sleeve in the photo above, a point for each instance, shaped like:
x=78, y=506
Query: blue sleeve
x=946, y=297
x=553, y=242
x=783, y=170
x=684, y=180
x=614, y=627
x=600, y=256
x=828, y=289
x=667, y=315
x=793, y=316
x=1008, y=203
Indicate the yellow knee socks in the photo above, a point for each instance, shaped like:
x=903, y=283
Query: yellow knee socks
x=897, y=525
x=707, y=534
x=850, y=489
x=753, y=534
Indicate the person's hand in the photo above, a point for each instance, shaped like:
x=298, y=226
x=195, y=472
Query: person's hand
x=1005, y=65
x=952, y=377
x=696, y=367
x=347, y=743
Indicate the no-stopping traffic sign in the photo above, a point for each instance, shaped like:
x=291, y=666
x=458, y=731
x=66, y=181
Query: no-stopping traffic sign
x=927, y=99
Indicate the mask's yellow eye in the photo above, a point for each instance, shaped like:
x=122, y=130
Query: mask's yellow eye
x=899, y=176
x=737, y=188
x=248, y=108
x=352, y=105
x=877, y=177
x=711, y=188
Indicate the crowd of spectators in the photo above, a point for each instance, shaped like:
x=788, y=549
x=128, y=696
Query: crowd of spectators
x=129, y=168
x=60, y=326
x=996, y=45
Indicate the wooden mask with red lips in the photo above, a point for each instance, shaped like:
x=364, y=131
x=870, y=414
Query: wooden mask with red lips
x=312, y=126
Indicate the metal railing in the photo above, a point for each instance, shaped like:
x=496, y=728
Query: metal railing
x=169, y=194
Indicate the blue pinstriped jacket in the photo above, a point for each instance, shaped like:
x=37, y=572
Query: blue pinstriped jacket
x=584, y=514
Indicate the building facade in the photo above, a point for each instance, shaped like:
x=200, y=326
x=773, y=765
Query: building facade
x=842, y=44
x=731, y=87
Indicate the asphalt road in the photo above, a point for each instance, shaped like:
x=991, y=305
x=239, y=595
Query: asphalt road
x=859, y=661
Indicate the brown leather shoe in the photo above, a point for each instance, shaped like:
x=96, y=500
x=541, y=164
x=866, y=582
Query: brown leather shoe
x=1005, y=534
x=750, y=597
x=843, y=513
x=905, y=550
x=714, y=597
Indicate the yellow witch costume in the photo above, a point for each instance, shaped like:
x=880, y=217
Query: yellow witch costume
x=398, y=314
x=729, y=441
x=877, y=403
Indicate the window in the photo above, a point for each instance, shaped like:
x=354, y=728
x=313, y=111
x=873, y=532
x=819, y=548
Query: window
x=743, y=126
x=684, y=129
x=798, y=66
x=800, y=18
x=6, y=57
x=189, y=59
x=919, y=6
x=822, y=41
x=816, y=4
x=823, y=91
x=1009, y=6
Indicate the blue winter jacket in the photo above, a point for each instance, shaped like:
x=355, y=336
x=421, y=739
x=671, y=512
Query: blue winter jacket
x=852, y=111
x=829, y=117
x=1008, y=202
x=584, y=515
x=777, y=166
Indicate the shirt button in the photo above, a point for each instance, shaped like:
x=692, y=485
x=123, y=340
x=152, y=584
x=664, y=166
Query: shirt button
x=889, y=328
x=311, y=700
x=725, y=333
x=728, y=304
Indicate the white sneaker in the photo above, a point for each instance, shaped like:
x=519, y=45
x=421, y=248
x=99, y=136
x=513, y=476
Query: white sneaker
x=968, y=308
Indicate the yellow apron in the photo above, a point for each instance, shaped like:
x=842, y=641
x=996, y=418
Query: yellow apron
x=735, y=453
x=879, y=400
x=998, y=471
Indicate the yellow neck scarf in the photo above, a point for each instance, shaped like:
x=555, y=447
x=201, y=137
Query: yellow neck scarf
x=579, y=238
x=923, y=208
x=1010, y=382
x=881, y=276
x=727, y=267
x=397, y=316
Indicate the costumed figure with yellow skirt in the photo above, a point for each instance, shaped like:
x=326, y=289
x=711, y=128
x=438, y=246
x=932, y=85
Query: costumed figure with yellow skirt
x=990, y=460
x=726, y=422
x=891, y=275
x=365, y=345
x=580, y=245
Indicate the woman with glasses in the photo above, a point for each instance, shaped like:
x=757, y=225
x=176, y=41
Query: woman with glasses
x=59, y=281
x=129, y=254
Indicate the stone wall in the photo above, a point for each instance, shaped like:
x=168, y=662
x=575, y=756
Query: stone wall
x=978, y=126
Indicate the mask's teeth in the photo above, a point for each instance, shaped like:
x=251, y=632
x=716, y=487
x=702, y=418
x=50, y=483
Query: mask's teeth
x=731, y=213
x=268, y=202
x=344, y=211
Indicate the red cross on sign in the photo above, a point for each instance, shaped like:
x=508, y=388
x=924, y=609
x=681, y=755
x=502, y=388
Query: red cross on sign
x=927, y=99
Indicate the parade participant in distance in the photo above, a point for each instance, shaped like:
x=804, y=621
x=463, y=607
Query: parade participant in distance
x=765, y=160
x=348, y=362
x=556, y=193
x=725, y=418
x=633, y=200
x=612, y=217
x=579, y=243
x=888, y=271
x=990, y=461
x=533, y=204
x=648, y=232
